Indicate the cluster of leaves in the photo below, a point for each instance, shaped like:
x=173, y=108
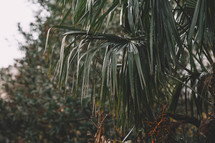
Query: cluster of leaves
x=162, y=50
x=129, y=58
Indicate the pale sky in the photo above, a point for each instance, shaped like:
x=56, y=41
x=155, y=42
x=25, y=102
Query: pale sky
x=12, y=12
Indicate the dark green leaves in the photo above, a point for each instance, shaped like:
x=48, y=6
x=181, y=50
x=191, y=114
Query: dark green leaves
x=132, y=55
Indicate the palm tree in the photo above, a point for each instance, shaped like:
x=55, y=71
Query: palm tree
x=146, y=60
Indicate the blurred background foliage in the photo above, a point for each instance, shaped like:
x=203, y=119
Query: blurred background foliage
x=34, y=110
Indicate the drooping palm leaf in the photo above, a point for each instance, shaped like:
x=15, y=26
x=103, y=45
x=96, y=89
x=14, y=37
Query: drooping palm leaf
x=156, y=53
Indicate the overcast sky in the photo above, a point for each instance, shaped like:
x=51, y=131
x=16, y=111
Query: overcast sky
x=12, y=12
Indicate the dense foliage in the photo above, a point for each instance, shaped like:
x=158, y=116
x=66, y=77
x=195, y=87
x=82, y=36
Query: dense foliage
x=158, y=65
x=140, y=70
x=35, y=110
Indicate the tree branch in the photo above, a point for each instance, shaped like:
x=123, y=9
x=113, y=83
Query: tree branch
x=187, y=119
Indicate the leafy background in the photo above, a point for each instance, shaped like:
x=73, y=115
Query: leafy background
x=117, y=69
